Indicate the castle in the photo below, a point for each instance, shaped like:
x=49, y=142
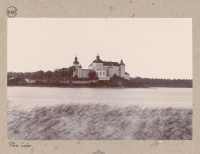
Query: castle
x=103, y=69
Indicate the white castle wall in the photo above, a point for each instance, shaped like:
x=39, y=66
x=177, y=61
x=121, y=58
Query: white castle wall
x=127, y=76
x=90, y=67
x=75, y=73
x=111, y=70
x=98, y=66
x=116, y=70
x=85, y=73
x=122, y=70
x=80, y=72
x=101, y=73
x=76, y=65
x=106, y=69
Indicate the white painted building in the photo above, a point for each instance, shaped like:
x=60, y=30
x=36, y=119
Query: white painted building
x=101, y=74
x=30, y=80
x=104, y=69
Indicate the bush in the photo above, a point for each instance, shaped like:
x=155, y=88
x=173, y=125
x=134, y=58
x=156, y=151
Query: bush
x=92, y=75
x=91, y=83
x=23, y=83
x=96, y=78
x=56, y=83
x=39, y=83
x=115, y=76
x=47, y=83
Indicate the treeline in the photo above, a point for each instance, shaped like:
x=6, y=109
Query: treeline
x=53, y=78
x=57, y=74
x=48, y=77
x=40, y=75
x=150, y=82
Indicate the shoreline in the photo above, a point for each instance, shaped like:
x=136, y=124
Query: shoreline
x=117, y=87
x=69, y=86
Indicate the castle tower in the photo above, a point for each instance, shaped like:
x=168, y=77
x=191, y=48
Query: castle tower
x=98, y=63
x=76, y=63
x=122, y=69
x=80, y=71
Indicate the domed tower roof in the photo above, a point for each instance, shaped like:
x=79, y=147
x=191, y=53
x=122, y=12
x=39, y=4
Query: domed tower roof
x=76, y=60
x=80, y=66
x=121, y=63
x=98, y=60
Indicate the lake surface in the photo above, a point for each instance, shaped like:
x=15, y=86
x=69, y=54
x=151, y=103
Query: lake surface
x=29, y=97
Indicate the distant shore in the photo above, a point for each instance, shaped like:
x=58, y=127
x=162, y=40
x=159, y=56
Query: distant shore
x=116, y=87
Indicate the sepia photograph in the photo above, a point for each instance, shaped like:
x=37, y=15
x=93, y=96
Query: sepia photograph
x=99, y=79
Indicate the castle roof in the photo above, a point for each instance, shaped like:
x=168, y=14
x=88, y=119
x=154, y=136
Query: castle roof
x=80, y=66
x=91, y=64
x=126, y=73
x=105, y=63
x=98, y=60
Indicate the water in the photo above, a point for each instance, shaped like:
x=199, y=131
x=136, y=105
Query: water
x=30, y=97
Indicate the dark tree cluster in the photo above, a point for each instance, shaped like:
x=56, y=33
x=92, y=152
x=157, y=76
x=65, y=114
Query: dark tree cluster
x=163, y=82
x=57, y=73
x=92, y=75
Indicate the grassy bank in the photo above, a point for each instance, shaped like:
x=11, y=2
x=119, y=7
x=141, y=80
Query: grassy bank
x=99, y=122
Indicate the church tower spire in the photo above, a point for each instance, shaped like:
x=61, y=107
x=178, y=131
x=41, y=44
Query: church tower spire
x=98, y=57
x=76, y=63
x=76, y=60
x=121, y=62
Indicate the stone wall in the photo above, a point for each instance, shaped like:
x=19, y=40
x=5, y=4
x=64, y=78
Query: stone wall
x=104, y=78
x=81, y=82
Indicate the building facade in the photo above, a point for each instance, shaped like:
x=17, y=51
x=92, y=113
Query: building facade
x=103, y=69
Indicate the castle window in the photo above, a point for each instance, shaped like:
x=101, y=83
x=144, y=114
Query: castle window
x=100, y=73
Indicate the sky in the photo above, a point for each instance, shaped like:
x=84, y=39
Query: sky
x=149, y=47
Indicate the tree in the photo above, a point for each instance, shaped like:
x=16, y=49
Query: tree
x=33, y=75
x=27, y=74
x=63, y=72
x=10, y=75
x=48, y=74
x=114, y=76
x=91, y=83
x=92, y=75
x=40, y=74
x=96, y=78
x=71, y=70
